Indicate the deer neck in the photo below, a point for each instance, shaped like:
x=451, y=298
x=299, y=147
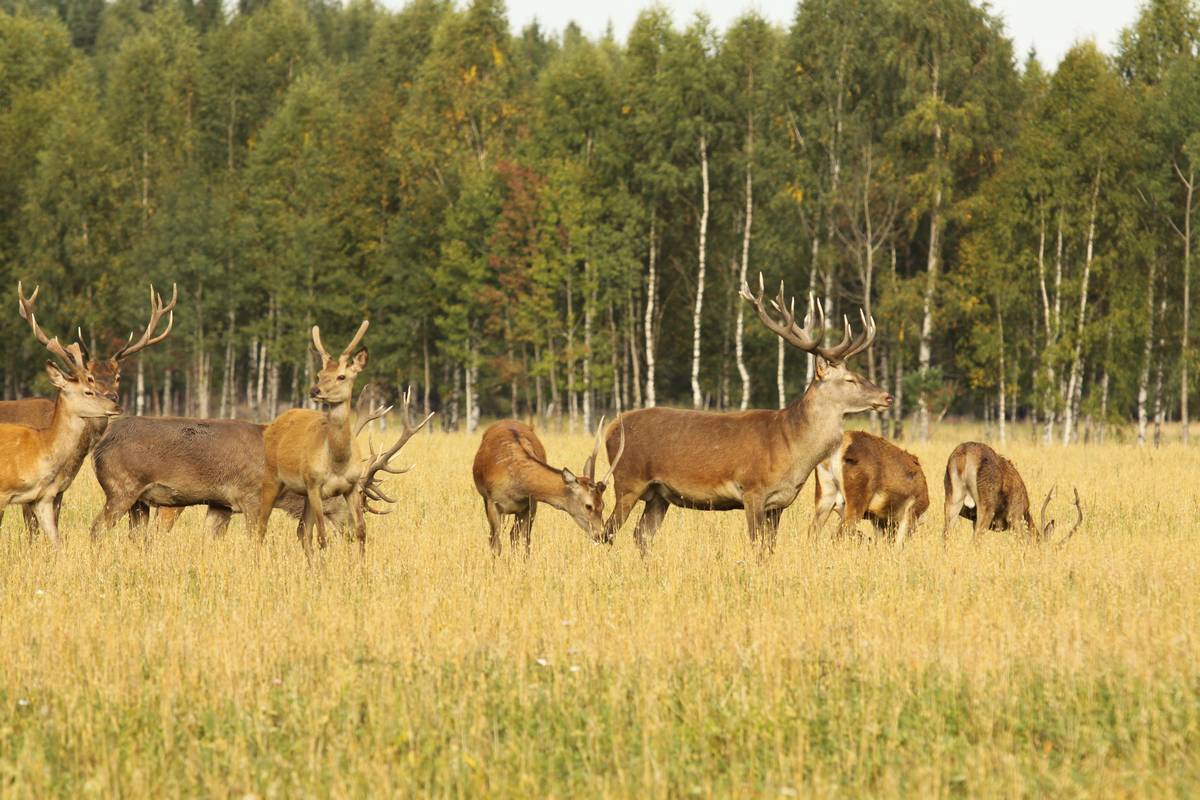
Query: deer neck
x=65, y=432
x=812, y=427
x=545, y=484
x=341, y=443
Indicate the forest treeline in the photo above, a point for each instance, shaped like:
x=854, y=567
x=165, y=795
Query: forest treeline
x=557, y=225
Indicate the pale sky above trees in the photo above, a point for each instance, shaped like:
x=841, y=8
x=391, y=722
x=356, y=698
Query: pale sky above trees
x=1051, y=26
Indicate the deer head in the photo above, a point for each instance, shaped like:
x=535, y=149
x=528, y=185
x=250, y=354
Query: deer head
x=335, y=381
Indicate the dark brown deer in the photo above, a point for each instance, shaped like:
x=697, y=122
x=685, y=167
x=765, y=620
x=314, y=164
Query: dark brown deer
x=870, y=477
x=171, y=463
x=512, y=475
x=985, y=487
x=752, y=460
x=102, y=375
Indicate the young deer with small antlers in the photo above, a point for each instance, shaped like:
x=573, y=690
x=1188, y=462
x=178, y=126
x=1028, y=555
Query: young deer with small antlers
x=512, y=475
x=985, y=487
x=867, y=476
x=753, y=460
x=40, y=463
x=103, y=376
x=314, y=453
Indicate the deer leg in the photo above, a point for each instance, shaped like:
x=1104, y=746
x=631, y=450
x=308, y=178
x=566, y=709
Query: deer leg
x=216, y=519
x=266, y=503
x=852, y=514
x=955, y=499
x=821, y=512
x=771, y=527
x=652, y=517
x=524, y=525
x=115, y=507
x=44, y=510
x=316, y=506
x=984, y=514
x=626, y=500
x=495, y=523
x=166, y=519
x=906, y=522
x=356, y=503
x=753, y=504
x=139, y=517
x=31, y=523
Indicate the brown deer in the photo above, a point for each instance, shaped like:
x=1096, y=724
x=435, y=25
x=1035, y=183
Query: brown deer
x=867, y=476
x=985, y=487
x=170, y=463
x=314, y=453
x=512, y=475
x=752, y=460
x=40, y=463
x=103, y=375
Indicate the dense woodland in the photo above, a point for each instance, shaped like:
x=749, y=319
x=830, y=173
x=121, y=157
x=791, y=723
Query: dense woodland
x=551, y=225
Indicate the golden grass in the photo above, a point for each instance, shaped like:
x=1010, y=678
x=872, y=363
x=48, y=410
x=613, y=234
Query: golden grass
x=185, y=666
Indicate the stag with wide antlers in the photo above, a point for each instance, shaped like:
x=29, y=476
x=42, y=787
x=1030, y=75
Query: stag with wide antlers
x=752, y=460
x=512, y=476
x=103, y=376
x=985, y=487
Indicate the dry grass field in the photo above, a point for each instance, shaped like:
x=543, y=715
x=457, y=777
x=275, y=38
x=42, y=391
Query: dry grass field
x=186, y=666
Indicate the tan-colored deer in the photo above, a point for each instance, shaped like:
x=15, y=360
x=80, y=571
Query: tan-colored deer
x=315, y=454
x=40, y=463
x=753, y=460
x=868, y=476
x=985, y=487
x=512, y=475
x=102, y=375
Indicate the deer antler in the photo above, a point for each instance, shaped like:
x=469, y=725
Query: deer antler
x=1078, y=519
x=1046, y=529
x=363, y=413
x=612, y=465
x=157, y=311
x=320, y=350
x=379, y=462
x=808, y=338
x=71, y=355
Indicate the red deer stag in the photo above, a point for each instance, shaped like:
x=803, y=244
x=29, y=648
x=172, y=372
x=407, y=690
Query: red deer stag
x=870, y=477
x=314, y=453
x=512, y=475
x=753, y=460
x=103, y=376
x=40, y=463
x=985, y=487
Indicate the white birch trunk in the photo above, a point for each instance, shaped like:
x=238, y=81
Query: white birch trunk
x=697, y=313
x=651, y=292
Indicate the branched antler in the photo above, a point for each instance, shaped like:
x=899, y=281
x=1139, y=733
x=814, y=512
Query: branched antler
x=157, y=312
x=378, y=463
x=71, y=355
x=808, y=337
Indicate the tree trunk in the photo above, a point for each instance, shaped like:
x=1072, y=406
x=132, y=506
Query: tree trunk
x=810, y=361
x=589, y=302
x=1001, y=406
x=697, y=314
x=933, y=267
x=651, y=293
x=140, y=398
x=634, y=361
x=1184, y=349
x=739, y=325
x=1074, y=383
x=1143, y=389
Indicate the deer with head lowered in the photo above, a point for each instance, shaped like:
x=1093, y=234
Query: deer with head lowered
x=751, y=460
x=985, y=487
x=314, y=453
x=512, y=475
x=103, y=376
x=868, y=476
x=40, y=463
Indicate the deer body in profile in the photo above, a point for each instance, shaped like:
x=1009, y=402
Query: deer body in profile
x=752, y=460
x=512, y=476
x=868, y=476
x=103, y=376
x=985, y=487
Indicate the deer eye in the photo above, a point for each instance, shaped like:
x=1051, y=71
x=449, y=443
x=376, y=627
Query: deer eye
x=89, y=393
x=341, y=377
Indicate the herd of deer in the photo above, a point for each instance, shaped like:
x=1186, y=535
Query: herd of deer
x=309, y=463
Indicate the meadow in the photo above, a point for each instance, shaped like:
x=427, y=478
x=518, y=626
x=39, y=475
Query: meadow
x=181, y=665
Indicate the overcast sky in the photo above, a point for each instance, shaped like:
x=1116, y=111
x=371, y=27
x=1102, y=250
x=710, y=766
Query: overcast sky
x=1051, y=26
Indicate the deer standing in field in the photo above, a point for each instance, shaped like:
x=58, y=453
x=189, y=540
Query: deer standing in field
x=867, y=476
x=753, y=460
x=313, y=453
x=985, y=487
x=512, y=475
x=103, y=376
x=40, y=463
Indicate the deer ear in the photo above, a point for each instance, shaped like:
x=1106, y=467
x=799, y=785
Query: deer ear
x=568, y=476
x=360, y=360
x=822, y=367
x=56, y=375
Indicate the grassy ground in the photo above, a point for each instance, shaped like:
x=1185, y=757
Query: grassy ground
x=185, y=666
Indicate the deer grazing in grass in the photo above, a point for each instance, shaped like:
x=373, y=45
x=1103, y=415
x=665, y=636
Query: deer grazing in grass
x=39, y=464
x=314, y=453
x=512, y=475
x=102, y=375
x=751, y=460
x=985, y=487
x=867, y=476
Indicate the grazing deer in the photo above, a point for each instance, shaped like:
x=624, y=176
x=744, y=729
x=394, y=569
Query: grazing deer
x=867, y=476
x=512, y=475
x=174, y=462
x=985, y=487
x=314, y=453
x=40, y=463
x=752, y=460
x=103, y=376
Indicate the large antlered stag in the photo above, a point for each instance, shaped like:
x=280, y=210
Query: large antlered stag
x=867, y=476
x=39, y=464
x=985, y=487
x=102, y=375
x=314, y=453
x=753, y=460
x=512, y=475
